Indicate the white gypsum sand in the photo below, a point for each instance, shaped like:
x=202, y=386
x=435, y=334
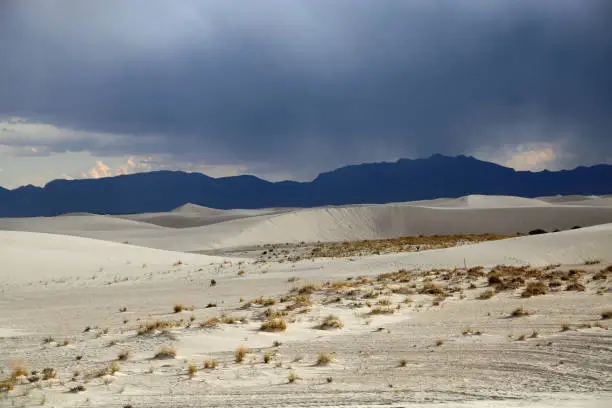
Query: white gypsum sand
x=413, y=338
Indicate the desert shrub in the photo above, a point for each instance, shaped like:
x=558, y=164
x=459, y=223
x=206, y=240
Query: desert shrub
x=403, y=362
x=575, y=286
x=534, y=289
x=487, y=294
x=519, y=312
x=606, y=314
x=180, y=307
x=123, y=355
x=210, y=364
x=439, y=342
x=77, y=388
x=384, y=302
x=48, y=373
x=241, y=353
x=165, y=352
x=331, y=322
x=565, y=326
x=325, y=359
x=267, y=357
x=537, y=231
x=292, y=377
x=274, y=325
x=431, y=288
x=494, y=279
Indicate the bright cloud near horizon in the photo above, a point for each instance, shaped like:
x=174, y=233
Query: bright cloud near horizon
x=286, y=90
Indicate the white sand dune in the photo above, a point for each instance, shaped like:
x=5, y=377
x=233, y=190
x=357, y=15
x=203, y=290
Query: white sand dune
x=474, y=214
x=192, y=215
x=55, y=285
x=483, y=201
x=30, y=256
x=573, y=247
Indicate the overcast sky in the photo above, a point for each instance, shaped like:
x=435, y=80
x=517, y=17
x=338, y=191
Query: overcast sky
x=287, y=89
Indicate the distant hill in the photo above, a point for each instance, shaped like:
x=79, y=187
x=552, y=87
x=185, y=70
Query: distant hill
x=404, y=180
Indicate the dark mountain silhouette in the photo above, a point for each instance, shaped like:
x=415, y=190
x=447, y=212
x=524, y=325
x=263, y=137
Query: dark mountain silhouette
x=404, y=180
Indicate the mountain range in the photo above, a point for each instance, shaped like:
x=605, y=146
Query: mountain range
x=372, y=183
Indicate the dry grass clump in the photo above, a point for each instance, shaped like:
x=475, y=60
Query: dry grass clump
x=534, y=289
x=371, y=294
x=263, y=301
x=210, y=323
x=156, y=325
x=292, y=377
x=274, y=325
x=575, y=286
x=114, y=367
x=325, y=359
x=18, y=369
x=437, y=300
x=192, y=370
x=165, y=352
x=180, y=308
x=439, y=342
x=606, y=314
x=98, y=372
x=430, y=288
x=378, y=310
x=7, y=385
x=210, y=364
x=267, y=357
x=487, y=294
x=241, y=353
x=48, y=373
x=403, y=290
x=384, y=302
x=124, y=355
x=229, y=319
x=307, y=289
x=274, y=313
x=331, y=322
x=402, y=244
x=304, y=299
x=520, y=312
x=565, y=326
x=522, y=337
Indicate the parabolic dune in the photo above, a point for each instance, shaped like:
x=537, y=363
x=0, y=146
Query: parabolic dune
x=87, y=320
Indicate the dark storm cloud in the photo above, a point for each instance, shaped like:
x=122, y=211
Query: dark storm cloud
x=309, y=85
